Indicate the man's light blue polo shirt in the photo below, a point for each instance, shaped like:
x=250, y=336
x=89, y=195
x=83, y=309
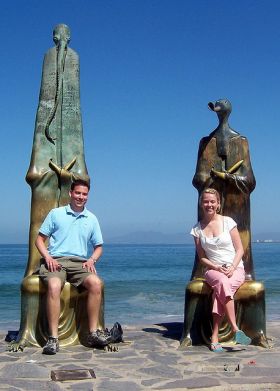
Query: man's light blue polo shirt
x=71, y=235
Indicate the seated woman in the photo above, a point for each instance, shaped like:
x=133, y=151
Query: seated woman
x=220, y=250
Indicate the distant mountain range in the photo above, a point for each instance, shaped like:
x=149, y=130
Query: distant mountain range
x=153, y=237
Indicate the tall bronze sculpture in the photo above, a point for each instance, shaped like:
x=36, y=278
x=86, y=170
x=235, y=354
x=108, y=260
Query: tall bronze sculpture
x=224, y=163
x=57, y=158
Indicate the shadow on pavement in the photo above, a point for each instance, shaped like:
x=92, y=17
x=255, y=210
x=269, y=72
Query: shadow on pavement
x=173, y=330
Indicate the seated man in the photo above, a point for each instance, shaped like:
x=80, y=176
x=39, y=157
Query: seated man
x=75, y=245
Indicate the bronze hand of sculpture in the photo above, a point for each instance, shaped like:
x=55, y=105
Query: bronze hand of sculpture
x=225, y=174
x=60, y=171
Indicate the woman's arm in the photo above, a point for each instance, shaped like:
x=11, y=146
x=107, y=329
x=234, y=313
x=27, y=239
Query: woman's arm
x=204, y=260
x=237, y=244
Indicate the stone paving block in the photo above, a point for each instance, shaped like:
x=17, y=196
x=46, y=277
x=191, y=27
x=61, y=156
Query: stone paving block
x=198, y=382
x=118, y=386
x=82, y=386
x=140, y=346
x=259, y=371
x=255, y=380
x=105, y=371
x=226, y=375
x=82, y=356
x=270, y=359
x=8, y=358
x=74, y=366
x=76, y=349
x=55, y=358
x=136, y=361
x=218, y=367
x=167, y=358
x=194, y=350
x=17, y=355
x=32, y=385
x=110, y=354
x=151, y=382
x=20, y=370
x=123, y=352
x=163, y=371
x=224, y=360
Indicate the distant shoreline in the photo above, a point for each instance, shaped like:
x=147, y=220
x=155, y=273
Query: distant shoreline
x=265, y=241
x=109, y=243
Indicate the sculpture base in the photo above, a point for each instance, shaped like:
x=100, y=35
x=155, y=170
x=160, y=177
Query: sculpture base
x=73, y=320
x=250, y=314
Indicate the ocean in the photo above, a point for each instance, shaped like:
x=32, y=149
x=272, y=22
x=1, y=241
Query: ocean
x=143, y=283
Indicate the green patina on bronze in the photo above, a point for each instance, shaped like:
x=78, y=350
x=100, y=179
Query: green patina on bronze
x=57, y=158
x=224, y=163
x=58, y=147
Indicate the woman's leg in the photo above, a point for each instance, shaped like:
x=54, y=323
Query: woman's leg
x=223, y=291
x=216, y=323
x=230, y=313
x=235, y=281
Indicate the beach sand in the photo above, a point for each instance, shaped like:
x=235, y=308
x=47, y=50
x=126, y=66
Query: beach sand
x=150, y=359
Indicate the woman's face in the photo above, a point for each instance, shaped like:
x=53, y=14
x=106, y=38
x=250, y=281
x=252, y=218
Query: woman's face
x=209, y=204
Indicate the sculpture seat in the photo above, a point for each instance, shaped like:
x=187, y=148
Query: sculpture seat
x=250, y=313
x=73, y=321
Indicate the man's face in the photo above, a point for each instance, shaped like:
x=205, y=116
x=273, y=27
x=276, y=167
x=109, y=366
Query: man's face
x=78, y=197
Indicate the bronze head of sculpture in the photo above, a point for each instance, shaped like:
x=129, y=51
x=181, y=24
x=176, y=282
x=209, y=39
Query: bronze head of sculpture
x=61, y=33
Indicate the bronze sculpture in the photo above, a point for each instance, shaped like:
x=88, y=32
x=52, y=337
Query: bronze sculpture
x=224, y=163
x=57, y=158
x=58, y=138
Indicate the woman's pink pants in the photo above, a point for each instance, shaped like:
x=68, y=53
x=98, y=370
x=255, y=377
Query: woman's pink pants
x=223, y=287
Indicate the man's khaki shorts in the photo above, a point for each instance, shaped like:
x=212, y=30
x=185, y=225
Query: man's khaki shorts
x=71, y=270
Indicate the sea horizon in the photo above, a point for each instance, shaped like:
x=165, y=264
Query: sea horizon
x=144, y=283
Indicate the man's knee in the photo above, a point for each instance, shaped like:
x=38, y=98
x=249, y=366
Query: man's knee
x=54, y=286
x=93, y=283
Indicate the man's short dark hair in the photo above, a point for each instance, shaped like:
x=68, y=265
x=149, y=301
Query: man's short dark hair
x=80, y=182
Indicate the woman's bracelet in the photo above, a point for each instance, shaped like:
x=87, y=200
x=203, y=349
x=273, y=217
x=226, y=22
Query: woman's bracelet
x=94, y=260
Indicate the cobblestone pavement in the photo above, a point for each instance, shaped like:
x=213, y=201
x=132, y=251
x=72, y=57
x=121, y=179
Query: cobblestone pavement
x=150, y=359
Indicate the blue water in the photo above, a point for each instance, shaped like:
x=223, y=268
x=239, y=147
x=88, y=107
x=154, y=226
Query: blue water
x=143, y=283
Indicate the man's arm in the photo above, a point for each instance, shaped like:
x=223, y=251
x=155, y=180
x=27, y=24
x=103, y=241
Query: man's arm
x=52, y=264
x=90, y=263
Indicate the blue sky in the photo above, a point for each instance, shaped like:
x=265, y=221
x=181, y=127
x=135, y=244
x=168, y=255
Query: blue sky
x=148, y=70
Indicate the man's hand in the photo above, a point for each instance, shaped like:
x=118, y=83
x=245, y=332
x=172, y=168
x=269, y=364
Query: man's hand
x=52, y=264
x=90, y=265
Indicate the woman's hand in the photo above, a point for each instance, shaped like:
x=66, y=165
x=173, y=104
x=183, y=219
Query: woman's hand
x=222, y=269
x=229, y=271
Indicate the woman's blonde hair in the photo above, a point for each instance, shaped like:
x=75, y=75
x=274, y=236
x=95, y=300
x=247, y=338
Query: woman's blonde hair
x=210, y=190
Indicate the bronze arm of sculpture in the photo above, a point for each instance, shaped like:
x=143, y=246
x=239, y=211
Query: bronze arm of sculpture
x=240, y=181
x=210, y=167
